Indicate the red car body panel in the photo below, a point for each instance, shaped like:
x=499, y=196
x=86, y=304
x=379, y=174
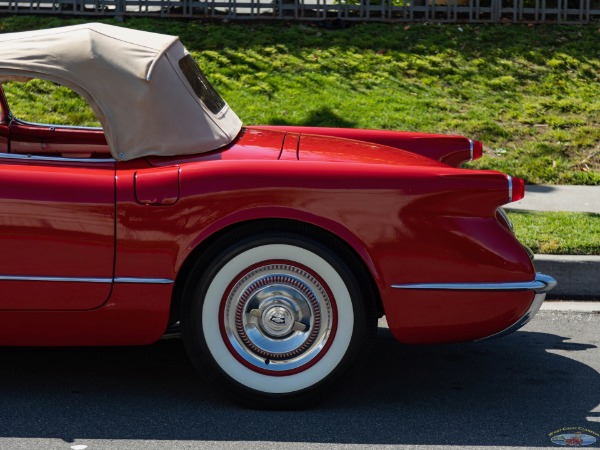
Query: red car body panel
x=56, y=220
x=423, y=317
x=134, y=315
x=451, y=150
x=407, y=212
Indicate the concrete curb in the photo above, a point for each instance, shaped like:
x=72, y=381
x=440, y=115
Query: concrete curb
x=578, y=276
x=581, y=307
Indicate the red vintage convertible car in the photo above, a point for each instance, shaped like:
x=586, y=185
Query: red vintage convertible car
x=275, y=249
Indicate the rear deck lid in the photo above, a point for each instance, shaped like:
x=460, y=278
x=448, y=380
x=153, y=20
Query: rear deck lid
x=322, y=148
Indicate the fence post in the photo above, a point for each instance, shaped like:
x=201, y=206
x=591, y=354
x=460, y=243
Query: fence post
x=495, y=13
x=120, y=10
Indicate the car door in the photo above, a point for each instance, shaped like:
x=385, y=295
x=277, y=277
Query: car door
x=57, y=217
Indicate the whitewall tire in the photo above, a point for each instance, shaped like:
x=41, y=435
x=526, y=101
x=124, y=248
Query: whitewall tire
x=277, y=317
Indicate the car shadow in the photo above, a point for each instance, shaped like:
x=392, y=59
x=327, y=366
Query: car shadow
x=511, y=391
x=540, y=189
x=322, y=117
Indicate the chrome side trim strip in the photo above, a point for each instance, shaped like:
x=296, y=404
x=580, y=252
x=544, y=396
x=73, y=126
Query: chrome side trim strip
x=55, y=279
x=542, y=283
x=54, y=158
x=550, y=282
x=510, y=188
x=87, y=280
x=65, y=127
x=144, y=280
x=471, y=147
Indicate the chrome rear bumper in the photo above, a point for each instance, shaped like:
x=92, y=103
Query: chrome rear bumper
x=547, y=283
x=541, y=285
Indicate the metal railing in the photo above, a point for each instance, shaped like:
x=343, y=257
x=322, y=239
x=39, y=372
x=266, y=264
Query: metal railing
x=473, y=11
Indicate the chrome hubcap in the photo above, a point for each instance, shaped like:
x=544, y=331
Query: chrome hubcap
x=278, y=317
x=277, y=320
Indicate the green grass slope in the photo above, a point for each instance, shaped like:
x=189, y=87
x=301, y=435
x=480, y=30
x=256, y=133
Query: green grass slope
x=531, y=94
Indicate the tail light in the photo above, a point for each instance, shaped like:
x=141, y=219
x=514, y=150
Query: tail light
x=516, y=189
x=476, y=150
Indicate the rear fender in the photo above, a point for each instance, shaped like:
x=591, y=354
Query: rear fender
x=448, y=149
x=281, y=213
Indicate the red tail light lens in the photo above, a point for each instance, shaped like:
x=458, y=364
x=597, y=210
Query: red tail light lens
x=516, y=189
x=476, y=150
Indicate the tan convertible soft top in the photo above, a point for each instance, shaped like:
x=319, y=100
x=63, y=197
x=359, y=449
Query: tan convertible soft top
x=147, y=92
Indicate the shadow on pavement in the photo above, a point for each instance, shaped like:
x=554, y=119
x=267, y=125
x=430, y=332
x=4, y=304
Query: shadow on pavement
x=542, y=189
x=511, y=391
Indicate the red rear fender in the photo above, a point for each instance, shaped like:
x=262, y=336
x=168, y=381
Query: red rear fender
x=448, y=149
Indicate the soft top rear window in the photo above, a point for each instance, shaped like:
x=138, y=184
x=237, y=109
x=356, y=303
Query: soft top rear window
x=202, y=87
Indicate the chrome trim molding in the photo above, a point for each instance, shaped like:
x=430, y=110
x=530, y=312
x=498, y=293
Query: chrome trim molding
x=510, y=188
x=542, y=283
x=532, y=311
x=510, y=225
x=536, y=304
x=87, y=280
x=548, y=280
x=144, y=280
x=471, y=147
x=506, y=219
x=62, y=127
x=54, y=158
x=54, y=279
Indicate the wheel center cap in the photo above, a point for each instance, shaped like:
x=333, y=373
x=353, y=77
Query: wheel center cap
x=277, y=321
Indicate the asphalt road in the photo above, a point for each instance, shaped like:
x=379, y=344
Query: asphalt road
x=511, y=392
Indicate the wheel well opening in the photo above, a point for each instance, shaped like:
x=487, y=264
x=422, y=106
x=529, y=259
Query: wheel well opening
x=323, y=236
